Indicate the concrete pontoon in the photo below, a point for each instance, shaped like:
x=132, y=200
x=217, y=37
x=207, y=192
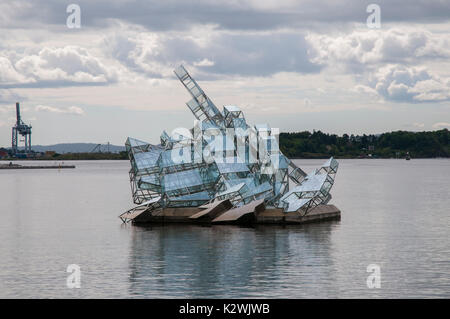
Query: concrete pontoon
x=238, y=216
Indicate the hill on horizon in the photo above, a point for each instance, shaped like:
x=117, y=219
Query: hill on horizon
x=63, y=148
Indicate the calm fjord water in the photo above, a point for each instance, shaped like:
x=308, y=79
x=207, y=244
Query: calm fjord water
x=395, y=214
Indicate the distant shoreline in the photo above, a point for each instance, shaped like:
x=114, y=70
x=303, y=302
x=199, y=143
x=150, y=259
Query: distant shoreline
x=126, y=159
x=307, y=145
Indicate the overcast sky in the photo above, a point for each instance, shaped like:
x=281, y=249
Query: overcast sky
x=297, y=65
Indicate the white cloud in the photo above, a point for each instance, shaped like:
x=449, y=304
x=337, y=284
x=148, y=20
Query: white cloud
x=400, y=83
x=361, y=48
x=364, y=89
x=75, y=110
x=8, y=73
x=67, y=65
x=393, y=63
x=245, y=53
x=232, y=15
x=6, y=109
x=441, y=125
x=9, y=97
x=433, y=89
x=204, y=62
x=234, y=54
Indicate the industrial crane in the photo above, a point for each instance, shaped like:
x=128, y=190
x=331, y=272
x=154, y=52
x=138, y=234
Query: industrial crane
x=98, y=148
x=22, y=129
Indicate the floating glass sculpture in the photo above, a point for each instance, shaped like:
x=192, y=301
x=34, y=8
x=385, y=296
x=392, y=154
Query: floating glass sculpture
x=222, y=157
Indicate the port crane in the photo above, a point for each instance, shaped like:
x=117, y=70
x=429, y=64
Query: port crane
x=98, y=148
x=24, y=130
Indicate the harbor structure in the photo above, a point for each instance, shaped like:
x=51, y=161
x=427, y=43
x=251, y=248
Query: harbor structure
x=22, y=129
x=223, y=170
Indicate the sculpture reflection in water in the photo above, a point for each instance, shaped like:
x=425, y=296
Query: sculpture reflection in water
x=192, y=261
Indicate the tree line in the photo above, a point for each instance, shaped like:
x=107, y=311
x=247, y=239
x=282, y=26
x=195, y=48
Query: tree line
x=323, y=145
x=387, y=145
